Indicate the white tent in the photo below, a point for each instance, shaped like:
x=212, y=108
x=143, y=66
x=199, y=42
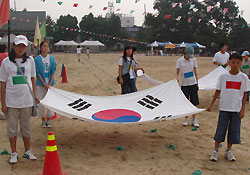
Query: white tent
x=12, y=38
x=163, y=102
x=66, y=43
x=92, y=43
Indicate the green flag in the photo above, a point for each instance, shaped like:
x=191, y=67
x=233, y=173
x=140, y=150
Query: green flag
x=43, y=30
x=118, y=1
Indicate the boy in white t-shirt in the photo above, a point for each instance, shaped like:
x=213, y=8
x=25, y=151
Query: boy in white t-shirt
x=186, y=65
x=232, y=87
x=221, y=58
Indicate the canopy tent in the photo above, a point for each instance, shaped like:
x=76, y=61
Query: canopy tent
x=159, y=44
x=195, y=45
x=92, y=43
x=66, y=46
x=94, y=46
x=12, y=38
x=66, y=43
x=163, y=102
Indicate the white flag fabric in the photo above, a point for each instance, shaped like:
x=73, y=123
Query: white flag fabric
x=163, y=102
x=210, y=81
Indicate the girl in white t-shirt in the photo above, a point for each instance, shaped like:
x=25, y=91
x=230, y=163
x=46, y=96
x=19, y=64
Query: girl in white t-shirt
x=16, y=98
x=45, y=73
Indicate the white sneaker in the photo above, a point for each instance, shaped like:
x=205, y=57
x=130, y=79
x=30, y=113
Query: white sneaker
x=44, y=124
x=229, y=156
x=195, y=123
x=215, y=156
x=49, y=124
x=29, y=155
x=186, y=122
x=13, y=157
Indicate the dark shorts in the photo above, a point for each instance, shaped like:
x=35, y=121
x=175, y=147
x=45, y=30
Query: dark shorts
x=228, y=121
x=191, y=93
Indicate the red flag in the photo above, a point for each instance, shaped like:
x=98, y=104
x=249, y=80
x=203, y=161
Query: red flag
x=4, y=12
x=75, y=5
x=169, y=16
x=105, y=8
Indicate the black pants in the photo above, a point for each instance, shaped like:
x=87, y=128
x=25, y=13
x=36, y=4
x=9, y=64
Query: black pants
x=191, y=93
x=129, y=86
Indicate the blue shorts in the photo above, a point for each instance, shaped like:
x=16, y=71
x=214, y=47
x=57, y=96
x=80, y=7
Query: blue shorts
x=228, y=121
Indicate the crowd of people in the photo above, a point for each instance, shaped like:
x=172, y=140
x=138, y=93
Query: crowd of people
x=17, y=70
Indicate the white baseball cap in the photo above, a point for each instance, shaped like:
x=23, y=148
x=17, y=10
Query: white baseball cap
x=20, y=39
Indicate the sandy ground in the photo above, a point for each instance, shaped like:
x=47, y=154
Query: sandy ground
x=89, y=148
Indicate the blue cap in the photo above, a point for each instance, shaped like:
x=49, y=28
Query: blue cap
x=245, y=53
x=189, y=50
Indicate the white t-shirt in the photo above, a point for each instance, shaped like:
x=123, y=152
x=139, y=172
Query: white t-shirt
x=78, y=50
x=232, y=89
x=88, y=51
x=221, y=58
x=187, y=71
x=17, y=91
x=131, y=70
x=46, y=64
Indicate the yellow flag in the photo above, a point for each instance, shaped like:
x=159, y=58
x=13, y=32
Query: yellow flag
x=37, y=36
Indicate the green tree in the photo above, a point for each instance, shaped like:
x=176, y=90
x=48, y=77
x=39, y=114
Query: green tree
x=65, y=28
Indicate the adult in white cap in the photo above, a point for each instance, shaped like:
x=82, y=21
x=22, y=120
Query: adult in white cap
x=246, y=67
x=186, y=65
x=17, y=100
x=221, y=58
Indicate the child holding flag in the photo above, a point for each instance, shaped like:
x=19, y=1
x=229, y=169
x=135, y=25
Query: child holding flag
x=45, y=72
x=187, y=65
x=233, y=87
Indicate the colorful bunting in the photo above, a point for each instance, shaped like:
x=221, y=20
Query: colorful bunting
x=118, y=1
x=60, y=3
x=191, y=6
x=75, y=5
x=209, y=8
x=174, y=5
x=225, y=11
x=105, y=8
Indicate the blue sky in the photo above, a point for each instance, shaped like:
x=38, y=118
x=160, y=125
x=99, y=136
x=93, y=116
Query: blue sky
x=55, y=10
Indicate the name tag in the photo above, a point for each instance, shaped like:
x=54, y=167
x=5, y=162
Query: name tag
x=18, y=80
x=245, y=67
x=233, y=85
x=188, y=74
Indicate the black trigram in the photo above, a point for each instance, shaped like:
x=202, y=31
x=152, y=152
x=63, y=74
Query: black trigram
x=80, y=105
x=150, y=102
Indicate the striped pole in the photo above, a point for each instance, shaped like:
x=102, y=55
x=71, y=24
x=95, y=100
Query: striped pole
x=51, y=163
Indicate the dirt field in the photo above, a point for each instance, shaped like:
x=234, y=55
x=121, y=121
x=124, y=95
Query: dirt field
x=89, y=148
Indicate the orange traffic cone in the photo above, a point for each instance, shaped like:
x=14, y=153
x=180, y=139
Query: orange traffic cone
x=64, y=77
x=51, y=163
